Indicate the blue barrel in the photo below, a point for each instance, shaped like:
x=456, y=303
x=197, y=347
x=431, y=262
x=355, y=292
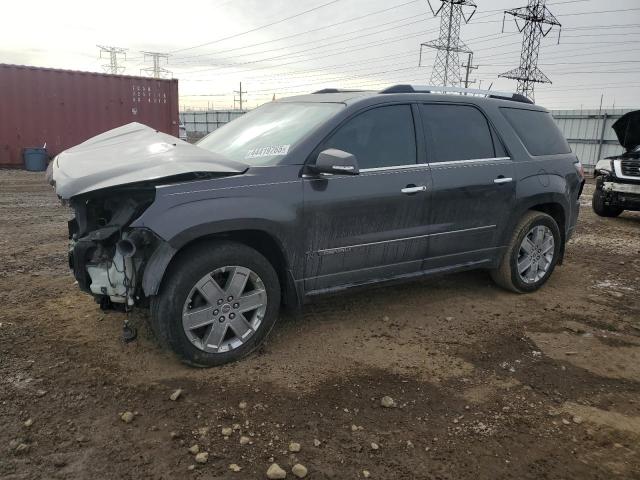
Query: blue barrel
x=35, y=159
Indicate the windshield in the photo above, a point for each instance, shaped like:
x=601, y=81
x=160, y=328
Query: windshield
x=264, y=135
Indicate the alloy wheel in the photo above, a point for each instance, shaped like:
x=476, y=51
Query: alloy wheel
x=535, y=255
x=224, y=309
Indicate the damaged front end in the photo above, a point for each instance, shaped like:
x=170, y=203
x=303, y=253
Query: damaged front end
x=618, y=177
x=105, y=255
x=109, y=181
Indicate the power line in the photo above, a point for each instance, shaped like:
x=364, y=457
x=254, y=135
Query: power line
x=307, y=32
x=156, y=70
x=239, y=92
x=304, y=73
x=448, y=46
x=258, y=28
x=358, y=36
x=114, y=52
x=538, y=22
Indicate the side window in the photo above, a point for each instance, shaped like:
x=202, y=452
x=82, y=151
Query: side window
x=537, y=130
x=380, y=137
x=456, y=132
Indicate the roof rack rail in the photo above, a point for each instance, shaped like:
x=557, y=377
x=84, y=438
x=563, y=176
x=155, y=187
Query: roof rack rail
x=516, y=97
x=335, y=90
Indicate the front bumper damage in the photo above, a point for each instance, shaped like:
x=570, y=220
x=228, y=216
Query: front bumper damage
x=619, y=183
x=107, y=258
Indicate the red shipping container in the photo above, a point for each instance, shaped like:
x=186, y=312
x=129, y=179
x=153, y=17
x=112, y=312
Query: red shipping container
x=65, y=107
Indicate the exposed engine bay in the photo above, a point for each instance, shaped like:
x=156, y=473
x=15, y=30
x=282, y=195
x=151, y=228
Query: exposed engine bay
x=106, y=257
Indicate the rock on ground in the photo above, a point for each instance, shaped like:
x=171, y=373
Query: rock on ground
x=127, y=417
x=275, y=472
x=294, y=447
x=387, y=402
x=202, y=457
x=299, y=470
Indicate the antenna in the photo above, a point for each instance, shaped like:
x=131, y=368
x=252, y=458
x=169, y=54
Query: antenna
x=538, y=22
x=446, y=67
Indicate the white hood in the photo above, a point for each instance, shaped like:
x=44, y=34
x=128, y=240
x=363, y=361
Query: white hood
x=130, y=154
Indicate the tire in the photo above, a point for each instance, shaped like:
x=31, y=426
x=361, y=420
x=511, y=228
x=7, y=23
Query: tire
x=211, y=267
x=507, y=275
x=601, y=208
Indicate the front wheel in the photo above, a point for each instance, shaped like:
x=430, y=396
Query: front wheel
x=531, y=255
x=601, y=208
x=218, y=303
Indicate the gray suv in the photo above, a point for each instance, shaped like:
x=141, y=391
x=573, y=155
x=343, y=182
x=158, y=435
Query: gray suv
x=315, y=194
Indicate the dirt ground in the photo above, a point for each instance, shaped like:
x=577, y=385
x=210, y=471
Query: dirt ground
x=487, y=384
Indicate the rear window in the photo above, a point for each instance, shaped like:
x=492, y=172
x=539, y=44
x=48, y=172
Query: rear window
x=537, y=130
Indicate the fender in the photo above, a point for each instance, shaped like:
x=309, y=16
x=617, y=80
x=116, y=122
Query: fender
x=182, y=224
x=529, y=195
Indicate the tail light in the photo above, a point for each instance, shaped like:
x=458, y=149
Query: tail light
x=579, y=169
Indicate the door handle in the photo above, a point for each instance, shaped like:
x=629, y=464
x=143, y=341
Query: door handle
x=502, y=179
x=409, y=189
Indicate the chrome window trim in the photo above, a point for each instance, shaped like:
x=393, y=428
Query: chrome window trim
x=617, y=167
x=328, y=251
x=395, y=167
x=472, y=160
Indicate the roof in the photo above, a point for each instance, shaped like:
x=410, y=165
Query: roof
x=413, y=93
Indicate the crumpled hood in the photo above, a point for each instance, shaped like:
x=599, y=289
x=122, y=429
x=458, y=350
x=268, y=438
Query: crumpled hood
x=627, y=130
x=130, y=154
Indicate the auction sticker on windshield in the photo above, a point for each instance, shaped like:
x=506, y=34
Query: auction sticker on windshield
x=268, y=151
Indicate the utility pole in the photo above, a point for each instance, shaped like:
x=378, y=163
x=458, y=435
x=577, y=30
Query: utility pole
x=113, y=52
x=239, y=92
x=538, y=22
x=446, y=67
x=469, y=66
x=156, y=70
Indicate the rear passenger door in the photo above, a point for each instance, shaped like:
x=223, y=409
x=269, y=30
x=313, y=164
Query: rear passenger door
x=473, y=185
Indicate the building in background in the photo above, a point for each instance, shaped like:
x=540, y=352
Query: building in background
x=61, y=108
x=589, y=133
x=200, y=122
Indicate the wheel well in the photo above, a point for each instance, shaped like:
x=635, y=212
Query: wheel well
x=267, y=246
x=555, y=211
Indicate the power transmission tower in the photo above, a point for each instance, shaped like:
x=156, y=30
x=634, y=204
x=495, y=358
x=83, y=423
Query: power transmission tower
x=239, y=92
x=156, y=70
x=469, y=66
x=113, y=52
x=538, y=22
x=446, y=67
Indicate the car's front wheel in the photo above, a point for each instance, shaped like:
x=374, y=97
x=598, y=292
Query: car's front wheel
x=218, y=303
x=601, y=208
x=531, y=255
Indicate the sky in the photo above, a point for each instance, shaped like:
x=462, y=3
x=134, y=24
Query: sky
x=286, y=47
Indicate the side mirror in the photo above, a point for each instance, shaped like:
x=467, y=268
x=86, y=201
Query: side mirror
x=336, y=162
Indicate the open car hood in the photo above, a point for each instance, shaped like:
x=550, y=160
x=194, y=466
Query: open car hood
x=129, y=154
x=627, y=130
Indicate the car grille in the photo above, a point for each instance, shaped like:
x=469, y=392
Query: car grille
x=630, y=168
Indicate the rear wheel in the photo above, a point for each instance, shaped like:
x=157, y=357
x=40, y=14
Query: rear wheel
x=218, y=303
x=600, y=207
x=531, y=255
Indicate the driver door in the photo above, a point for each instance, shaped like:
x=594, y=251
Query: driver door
x=371, y=226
